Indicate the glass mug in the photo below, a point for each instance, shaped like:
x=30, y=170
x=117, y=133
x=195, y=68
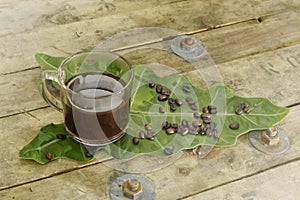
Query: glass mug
x=92, y=89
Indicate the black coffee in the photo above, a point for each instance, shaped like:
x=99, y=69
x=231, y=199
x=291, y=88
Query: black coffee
x=97, y=116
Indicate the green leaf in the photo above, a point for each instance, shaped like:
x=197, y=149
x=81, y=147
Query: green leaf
x=144, y=109
x=47, y=62
x=46, y=141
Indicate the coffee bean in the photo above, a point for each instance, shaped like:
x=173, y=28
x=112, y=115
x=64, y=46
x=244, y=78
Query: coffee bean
x=190, y=100
x=246, y=105
x=165, y=125
x=193, y=107
x=151, y=84
x=150, y=132
x=178, y=102
x=208, y=131
x=213, y=110
x=175, y=126
x=184, y=123
x=162, y=97
x=170, y=100
x=234, y=126
x=213, y=125
x=49, y=155
x=205, y=110
x=142, y=134
x=148, y=127
x=207, y=120
x=166, y=92
x=193, y=131
x=217, y=134
x=196, y=115
x=168, y=151
x=200, y=130
x=173, y=106
x=247, y=110
x=239, y=111
x=135, y=140
x=161, y=109
x=170, y=131
x=203, y=131
x=209, y=107
x=186, y=88
x=150, y=136
x=183, y=131
x=159, y=88
x=196, y=124
x=61, y=136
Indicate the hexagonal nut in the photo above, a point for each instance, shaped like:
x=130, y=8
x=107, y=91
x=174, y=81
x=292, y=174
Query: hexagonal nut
x=270, y=140
x=133, y=189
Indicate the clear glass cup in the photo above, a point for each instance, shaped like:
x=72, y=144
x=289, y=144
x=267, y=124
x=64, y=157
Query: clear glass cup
x=92, y=89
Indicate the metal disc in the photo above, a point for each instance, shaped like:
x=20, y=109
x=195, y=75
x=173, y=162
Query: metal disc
x=116, y=192
x=282, y=146
x=190, y=55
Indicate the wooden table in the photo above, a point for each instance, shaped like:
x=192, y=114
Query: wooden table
x=256, y=45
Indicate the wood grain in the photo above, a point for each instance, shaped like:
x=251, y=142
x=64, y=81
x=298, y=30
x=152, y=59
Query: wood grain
x=234, y=74
x=278, y=183
x=256, y=45
x=185, y=177
x=18, y=51
x=274, y=67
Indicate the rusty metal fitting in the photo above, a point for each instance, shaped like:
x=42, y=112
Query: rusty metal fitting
x=270, y=136
x=132, y=186
x=132, y=189
x=188, y=47
x=187, y=44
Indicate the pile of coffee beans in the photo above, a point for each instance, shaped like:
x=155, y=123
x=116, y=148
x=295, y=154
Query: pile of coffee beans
x=243, y=107
x=147, y=134
x=192, y=128
x=164, y=95
x=204, y=127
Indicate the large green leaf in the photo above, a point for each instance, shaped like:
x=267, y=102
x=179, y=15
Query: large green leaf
x=47, y=62
x=144, y=109
x=46, y=141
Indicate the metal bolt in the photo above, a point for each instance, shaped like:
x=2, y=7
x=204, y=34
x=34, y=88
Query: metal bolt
x=133, y=189
x=187, y=44
x=143, y=188
x=187, y=47
x=270, y=136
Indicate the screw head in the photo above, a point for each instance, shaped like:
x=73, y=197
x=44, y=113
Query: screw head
x=270, y=136
x=188, y=47
x=132, y=189
x=187, y=44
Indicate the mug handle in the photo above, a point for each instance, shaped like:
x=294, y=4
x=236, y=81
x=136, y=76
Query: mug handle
x=50, y=92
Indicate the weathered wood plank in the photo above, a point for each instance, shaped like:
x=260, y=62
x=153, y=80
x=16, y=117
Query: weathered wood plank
x=16, y=132
x=235, y=74
x=221, y=166
x=18, y=91
x=279, y=183
x=17, y=51
x=25, y=16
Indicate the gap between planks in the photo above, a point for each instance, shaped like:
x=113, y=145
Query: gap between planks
x=111, y=158
x=243, y=177
x=257, y=20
